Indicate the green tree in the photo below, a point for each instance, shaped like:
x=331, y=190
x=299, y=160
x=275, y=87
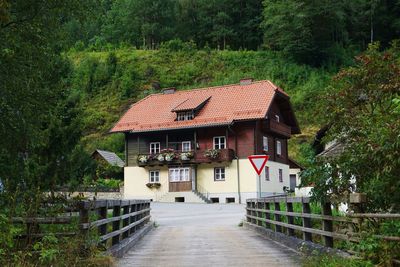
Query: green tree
x=39, y=118
x=144, y=23
x=363, y=106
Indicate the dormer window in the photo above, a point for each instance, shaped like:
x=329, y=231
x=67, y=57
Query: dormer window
x=184, y=116
x=190, y=107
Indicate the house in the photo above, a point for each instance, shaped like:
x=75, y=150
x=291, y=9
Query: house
x=109, y=165
x=193, y=145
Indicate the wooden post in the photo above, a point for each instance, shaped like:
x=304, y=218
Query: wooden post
x=267, y=215
x=307, y=221
x=327, y=225
x=356, y=202
x=278, y=217
x=259, y=214
x=263, y=214
x=132, y=218
x=125, y=222
x=102, y=212
x=248, y=203
x=253, y=213
x=148, y=212
x=83, y=216
x=289, y=208
x=84, y=220
x=135, y=218
x=116, y=224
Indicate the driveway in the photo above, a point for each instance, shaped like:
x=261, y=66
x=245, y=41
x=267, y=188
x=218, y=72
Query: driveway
x=205, y=235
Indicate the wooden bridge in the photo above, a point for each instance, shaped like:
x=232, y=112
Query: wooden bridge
x=200, y=234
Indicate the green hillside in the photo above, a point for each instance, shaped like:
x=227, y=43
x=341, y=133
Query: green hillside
x=108, y=82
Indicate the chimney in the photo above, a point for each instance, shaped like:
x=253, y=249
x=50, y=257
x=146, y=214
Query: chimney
x=246, y=81
x=169, y=90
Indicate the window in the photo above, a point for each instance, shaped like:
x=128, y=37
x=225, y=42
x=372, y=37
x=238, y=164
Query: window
x=278, y=148
x=185, y=116
x=277, y=118
x=265, y=143
x=280, y=176
x=219, y=174
x=186, y=146
x=266, y=173
x=154, y=176
x=219, y=142
x=154, y=147
x=179, y=174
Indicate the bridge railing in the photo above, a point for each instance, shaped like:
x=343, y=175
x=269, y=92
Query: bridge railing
x=114, y=221
x=124, y=216
x=298, y=217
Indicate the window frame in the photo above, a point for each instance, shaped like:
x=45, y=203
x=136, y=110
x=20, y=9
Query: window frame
x=278, y=148
x=267, y=174
x=156, y=178
x=219, y=142
x=219, y=173
x=265, y=143
x=150, y=148
x=277, y=118
x=177, y=174
x=280, y=175
x=184, y=115
x=190, y=146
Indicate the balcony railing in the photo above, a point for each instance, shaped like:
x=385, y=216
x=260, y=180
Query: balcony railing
x=279, y=128
x=195, y=157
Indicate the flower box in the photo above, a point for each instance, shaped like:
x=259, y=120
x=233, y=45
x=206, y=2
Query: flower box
x=143, y=158
x=212, y=153
x=153, y=185
x=186, y=155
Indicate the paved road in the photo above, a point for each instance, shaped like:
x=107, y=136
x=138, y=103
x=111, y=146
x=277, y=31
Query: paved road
x=205, y=235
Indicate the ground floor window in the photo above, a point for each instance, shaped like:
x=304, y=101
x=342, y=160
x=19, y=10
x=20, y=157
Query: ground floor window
x=154, y=176
x=280, y=175
x=266, y=173
x=219, y=174
x=179, y=174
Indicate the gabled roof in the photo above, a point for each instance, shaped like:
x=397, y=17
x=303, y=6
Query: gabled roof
x=226, y=104
x=191, y=103
x=333, y=150
x=110, y=157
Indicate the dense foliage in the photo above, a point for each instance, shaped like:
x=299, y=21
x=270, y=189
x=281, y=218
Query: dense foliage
x=313, y=32
x=323, y=32
x=363, y=107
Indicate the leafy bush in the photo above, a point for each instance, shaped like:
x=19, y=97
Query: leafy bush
x=109, y=183
x=333, y=261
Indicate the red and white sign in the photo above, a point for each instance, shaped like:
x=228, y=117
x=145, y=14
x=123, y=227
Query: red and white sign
x=258, y=162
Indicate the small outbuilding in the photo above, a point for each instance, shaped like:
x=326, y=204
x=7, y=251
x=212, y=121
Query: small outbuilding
x=109, y=157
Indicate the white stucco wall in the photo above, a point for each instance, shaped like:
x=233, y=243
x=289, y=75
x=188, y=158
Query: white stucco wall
x=274, y=186
x=135, y=180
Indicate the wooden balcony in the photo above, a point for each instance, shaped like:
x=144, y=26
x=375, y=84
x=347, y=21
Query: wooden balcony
x=279, y=128
x=224, y=155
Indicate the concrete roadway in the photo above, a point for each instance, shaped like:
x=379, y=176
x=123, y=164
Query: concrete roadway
x=205, y=235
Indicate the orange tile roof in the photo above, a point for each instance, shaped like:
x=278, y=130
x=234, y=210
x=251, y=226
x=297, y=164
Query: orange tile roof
x=227, y=103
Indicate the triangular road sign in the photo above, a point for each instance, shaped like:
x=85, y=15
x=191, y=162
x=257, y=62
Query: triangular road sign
x=258, y=162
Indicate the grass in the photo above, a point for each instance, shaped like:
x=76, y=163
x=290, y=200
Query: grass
x=333, y=261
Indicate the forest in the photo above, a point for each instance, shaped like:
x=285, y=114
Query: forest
x=69, y=69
